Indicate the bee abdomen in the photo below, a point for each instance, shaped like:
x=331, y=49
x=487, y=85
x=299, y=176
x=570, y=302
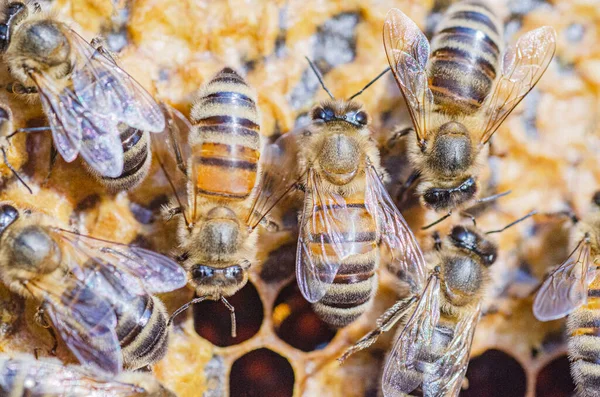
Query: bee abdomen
x=351, y=292
x=584, y=340
x=464, y=56
x=226, y=143
x=136, y=160
x=143, y=332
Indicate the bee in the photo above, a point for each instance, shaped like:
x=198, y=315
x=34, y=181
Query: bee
x=25, y=375
x=216, y=168
x=572, y=290
x=7, y=131
x=431, y=351
x=346, y=211
x=460, y=96
x=93, y=107
x=96, y=293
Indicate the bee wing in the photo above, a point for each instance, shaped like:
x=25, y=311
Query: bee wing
x=327, y=237
x=407, y=51
x=565, y=289
x=173, y=152
x=105, y=88
x=523, y=65
x=279, y=175
x=157, y=273
x=450, y=369
x=407, y=257
x=86, y=323
x=72, y=123
x=400, y=374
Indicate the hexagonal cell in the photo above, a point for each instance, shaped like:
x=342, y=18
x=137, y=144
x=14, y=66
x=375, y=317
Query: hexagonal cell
x=554, y=380
x=495, y=374
x=212, y=320
x=261, y=372
x=297, y=324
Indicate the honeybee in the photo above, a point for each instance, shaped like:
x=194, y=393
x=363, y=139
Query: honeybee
x=431, y=351
x=216, y=169
x=572, y=289
x=346, y=212
x=6, y=133
x=89, y=101
x=24, y=375
x=459, y=97
x=96, y=293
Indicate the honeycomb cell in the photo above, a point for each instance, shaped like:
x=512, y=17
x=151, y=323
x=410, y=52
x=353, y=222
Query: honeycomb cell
x=495, y=374
x=554, y=380
x=293, y=317
x=212, y=320
x=261, y=372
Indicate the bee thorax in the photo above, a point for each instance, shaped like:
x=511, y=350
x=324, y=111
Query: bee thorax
x=45, y=41
x=340, y=158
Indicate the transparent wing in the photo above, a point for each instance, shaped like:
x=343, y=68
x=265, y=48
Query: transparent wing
x=75, y=129
x=156, y=272
x=565, y=289
x=522, y=67
x=173, y=153
x=332, y=228
x=406, y=254
x=450, y=369
x=407, y=51
x=50, y=375
x=279, y=163
x=401, y=374
x=105, y=88
x=85, y=321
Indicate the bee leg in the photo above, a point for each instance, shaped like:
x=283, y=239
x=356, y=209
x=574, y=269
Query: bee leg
x=471, y=217
x=51, y=164
x=172, y=211
x=98, y=44
x=18, y=88
x=437, y=241
x=397, y=134
x=412, y=178
x=384, y=323
x=41, y=319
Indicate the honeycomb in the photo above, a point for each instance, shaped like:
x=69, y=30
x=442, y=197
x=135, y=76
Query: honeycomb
x=545, y=153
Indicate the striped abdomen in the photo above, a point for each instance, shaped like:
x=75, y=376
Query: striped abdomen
x=583, y=326
x=226, y=141
x=136, y=160
x=353, y=287
x=464, y=57
x=142, y=331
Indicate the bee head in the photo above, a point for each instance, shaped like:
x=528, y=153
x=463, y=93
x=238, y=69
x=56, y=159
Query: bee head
x=340, y=111
x=469, y=240
x=596, y=199
x=445, y=198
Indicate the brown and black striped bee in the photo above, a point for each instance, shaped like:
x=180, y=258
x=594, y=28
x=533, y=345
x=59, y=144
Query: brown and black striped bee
x=432, y=348
x=573, y=290
x=346, y=212
x=96, y=294
x=459, y=92
x=94, y=108
x=214, y=170
x=25, y=375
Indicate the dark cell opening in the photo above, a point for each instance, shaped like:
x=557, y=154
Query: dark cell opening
x=495, y=374
x=297, y=324
x=212, y=320
x=261, y=373
x=280, y=264
x=554, y=380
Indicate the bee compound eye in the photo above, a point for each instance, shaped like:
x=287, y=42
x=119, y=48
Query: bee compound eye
x=4, y=37
x=203, y=272
x=361, y=118
x=8, y=214
x=319, y=114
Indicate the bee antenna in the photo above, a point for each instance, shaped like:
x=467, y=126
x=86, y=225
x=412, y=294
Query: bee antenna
x=231, y=309
x=521, y=219
x=185, y=307
x=370, y=83
x=318, y=74
x=15, y=173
